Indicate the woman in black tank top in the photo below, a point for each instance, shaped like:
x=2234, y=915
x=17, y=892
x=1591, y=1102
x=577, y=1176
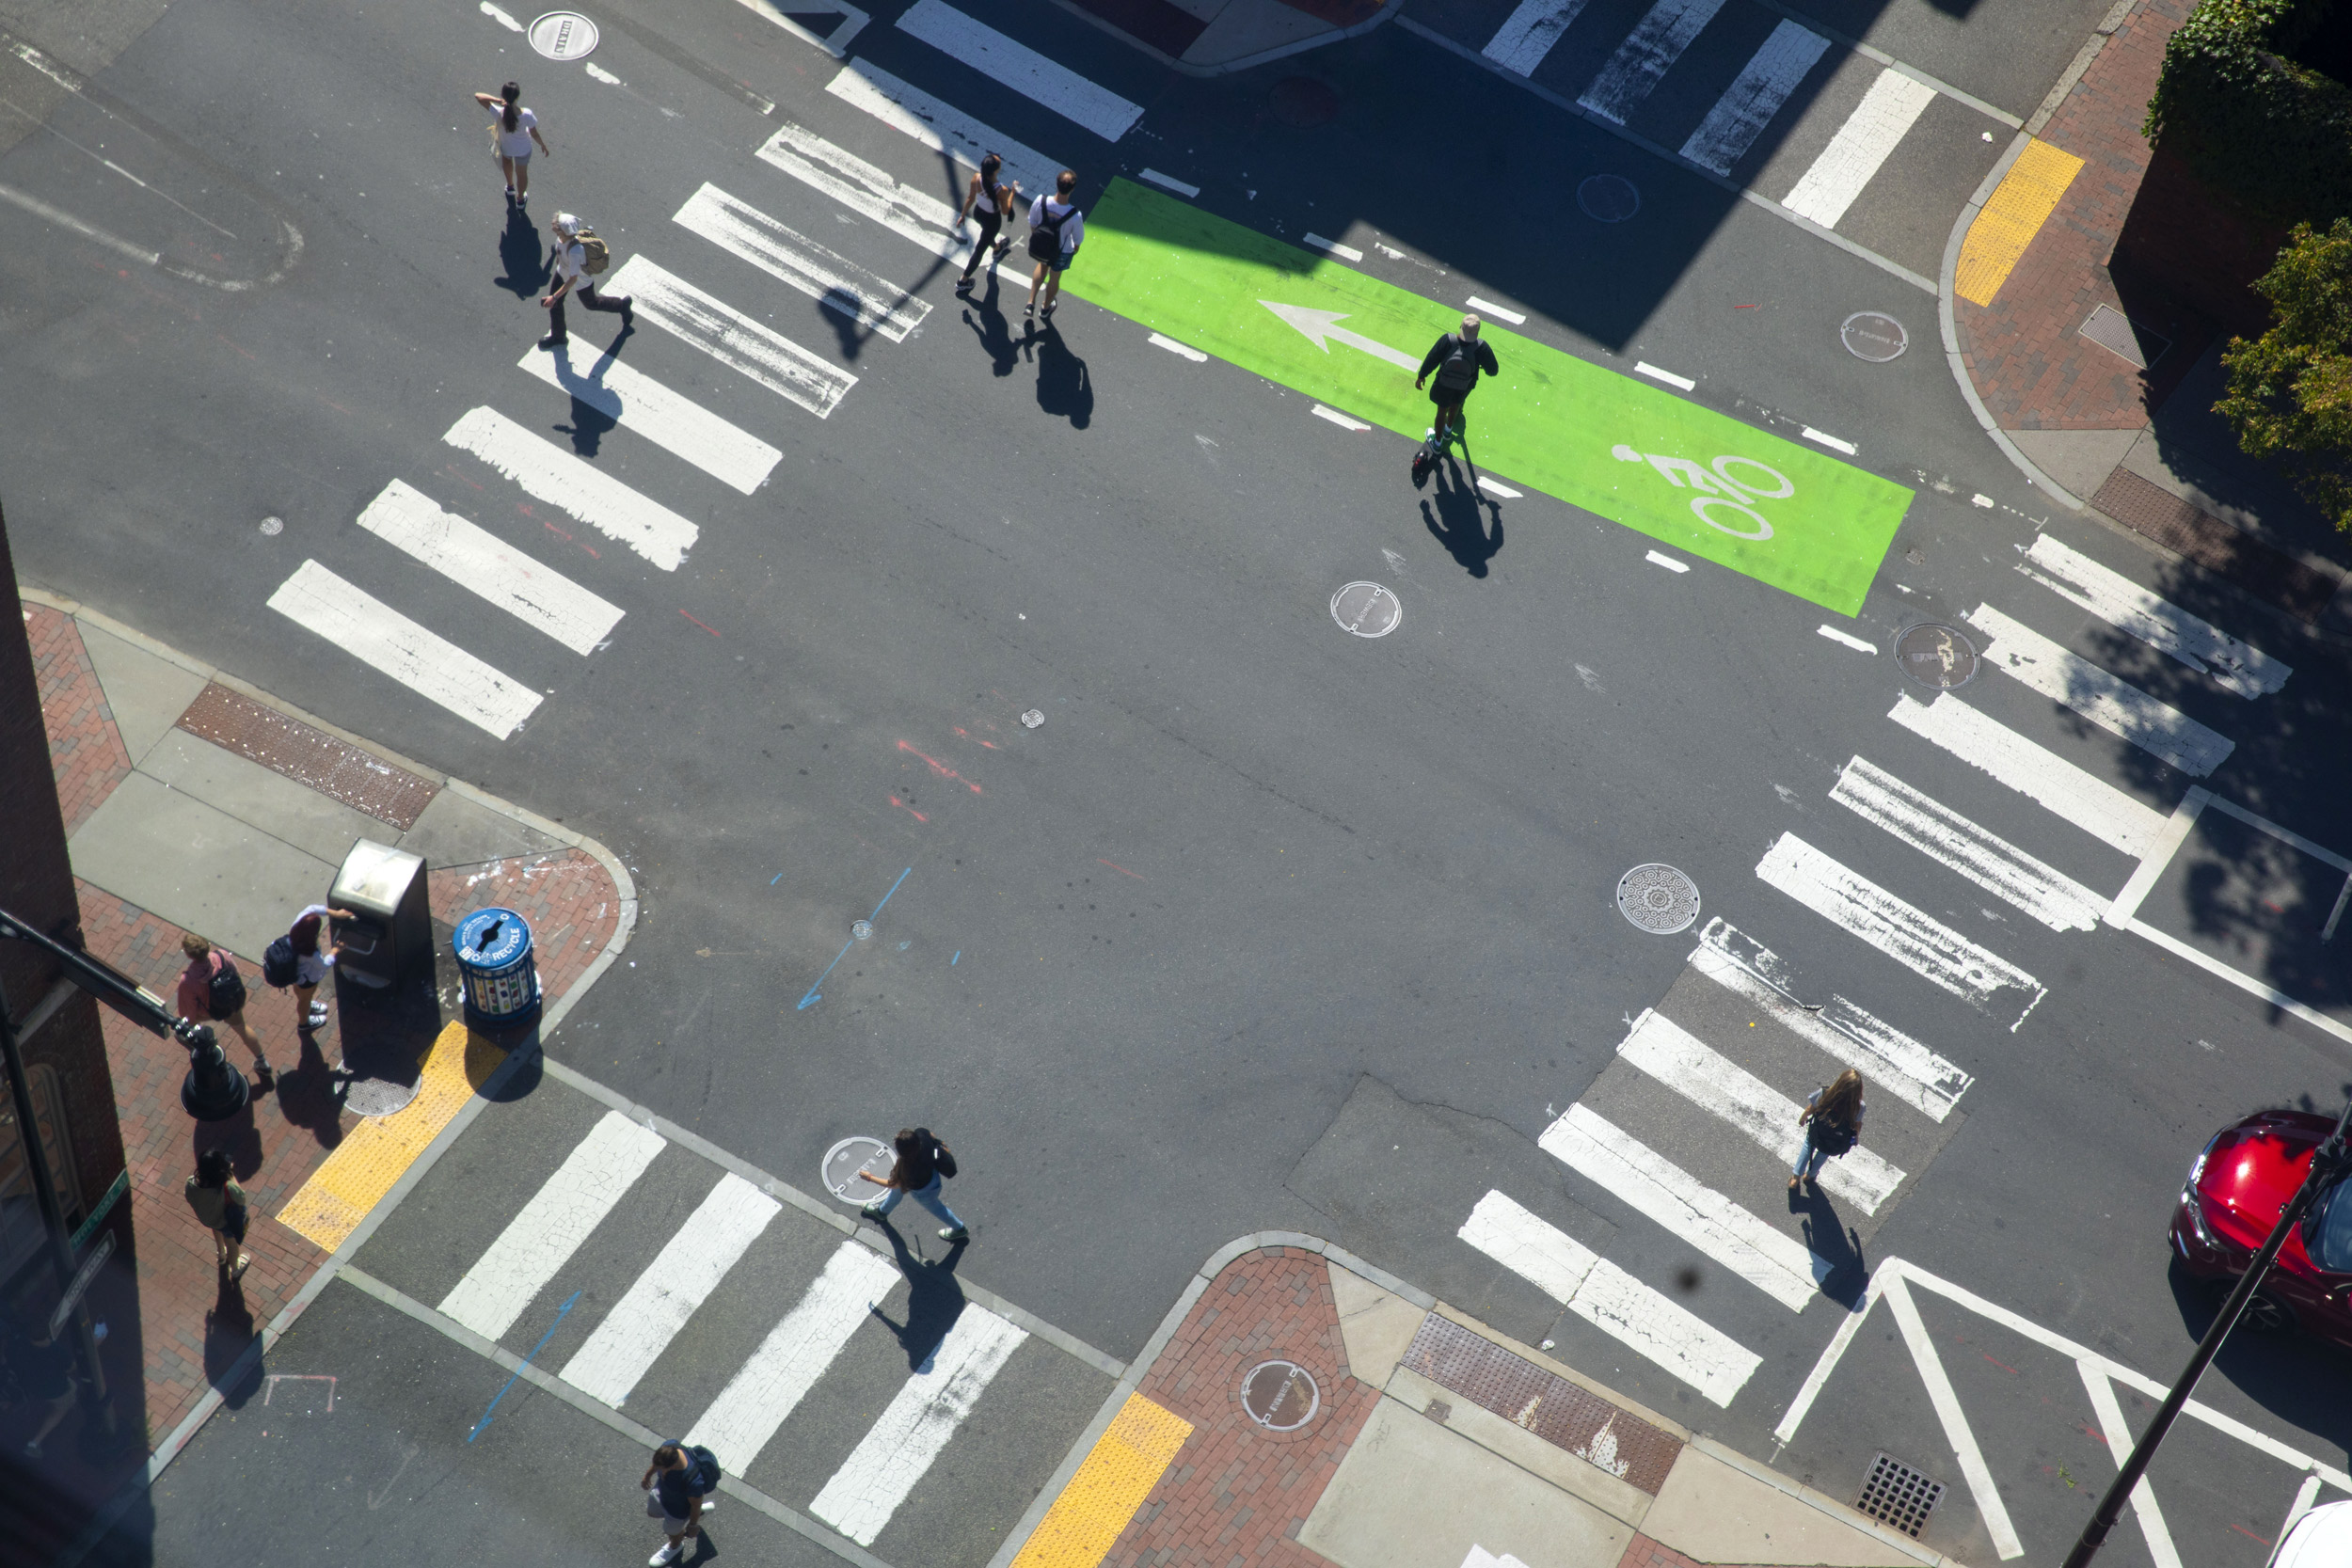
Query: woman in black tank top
x=992, y=200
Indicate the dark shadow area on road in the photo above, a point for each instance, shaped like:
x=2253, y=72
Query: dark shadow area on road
x=1454, y=515
x=2304, y=1381
x=1835, y=1242
x=1064, y=388
x=227, y=1330
x=934, y=1297
x=993, y=332
x=528, y=265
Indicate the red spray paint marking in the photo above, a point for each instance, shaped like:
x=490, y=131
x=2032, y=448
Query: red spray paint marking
x=451, y=469
x=2004, y=1365
x=2101, y=1435
x=590, y=549
x=2249, y=1535
x=329, y=402
x=239, y=348
x=968, y=735
x=704, y=624
x=1747, y=307
x=909, y=810
x=1121, y=869
x=943, y=770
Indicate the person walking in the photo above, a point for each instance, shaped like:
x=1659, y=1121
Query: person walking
x=676, y=1485
x=219, y=1202
x=1056, y=232
x=300, y=959
x=44, y=1373
x=991, y=198
x=212, y=991
x=1456, y=358
x=512, y=136
x=1832, y=1119
x=923, y=1161
x=575, y=244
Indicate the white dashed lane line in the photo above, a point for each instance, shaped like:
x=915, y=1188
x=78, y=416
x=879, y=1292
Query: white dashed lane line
x=1645, y=368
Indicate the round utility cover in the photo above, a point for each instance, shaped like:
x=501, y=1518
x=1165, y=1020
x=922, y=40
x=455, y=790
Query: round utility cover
x=564, y=36
x=844, y=1160
x=1658, y=898
x=861, y=929
x=1281, y=1396
x=1875, y=336
x=1609, y=197
x=1936, y=655
x=1367, y=610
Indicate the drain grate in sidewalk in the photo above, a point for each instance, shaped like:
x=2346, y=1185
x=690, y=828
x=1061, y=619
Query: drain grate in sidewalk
x=308, y=755
x=2220, y=548
x=1544, y=1403
x=1898, y=1496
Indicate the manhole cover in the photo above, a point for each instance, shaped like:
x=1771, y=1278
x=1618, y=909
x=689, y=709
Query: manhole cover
x=1367, y=610
x=1609, y=197
x=844, y=1160
x=273, y=527
x=1658, y=898
x=1936, y=655
x=861, y=929
x=1875, y=336
x=1302, y=100
x=1898, y=1496
x=1281, y=1396
x=376, y=1097
x=564, y=36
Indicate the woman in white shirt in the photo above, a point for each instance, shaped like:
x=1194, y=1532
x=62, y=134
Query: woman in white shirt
x=513, y=133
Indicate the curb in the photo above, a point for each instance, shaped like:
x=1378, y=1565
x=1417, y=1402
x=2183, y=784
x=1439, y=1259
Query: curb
x=1247, y=62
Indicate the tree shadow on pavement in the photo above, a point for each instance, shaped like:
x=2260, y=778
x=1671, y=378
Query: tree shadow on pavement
x=1454, y=518
x=934, y=1298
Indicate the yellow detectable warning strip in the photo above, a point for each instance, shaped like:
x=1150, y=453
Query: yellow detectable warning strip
x=1079, y=1530
x=2026, y=197
x=354, y=1179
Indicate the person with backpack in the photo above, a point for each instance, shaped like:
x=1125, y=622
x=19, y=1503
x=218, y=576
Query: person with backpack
x=991, y=198
x=219, y=1202
x=212, y=992
x=677, y=1485
x=923, y=1161
x=1056, y=232
x=581, y=256
x=296, y=959
x=1832, y=1119
x=511, y=135
x=1456, y=358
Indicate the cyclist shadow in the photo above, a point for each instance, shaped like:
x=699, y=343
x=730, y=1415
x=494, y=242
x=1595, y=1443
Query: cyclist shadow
x=1454, y=517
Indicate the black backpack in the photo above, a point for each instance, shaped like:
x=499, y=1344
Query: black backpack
x=702, y=1468
x=1459, y=370
x=942, y=1161
x=277, y=963
x=224, y=991
x=1831, y=1137
x=1045, y=237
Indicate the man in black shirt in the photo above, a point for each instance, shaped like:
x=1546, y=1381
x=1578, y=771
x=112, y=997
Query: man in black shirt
x=1456, y=358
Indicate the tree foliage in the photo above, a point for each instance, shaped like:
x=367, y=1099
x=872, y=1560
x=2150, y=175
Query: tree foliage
x=2250, y=119
x=2290, y=397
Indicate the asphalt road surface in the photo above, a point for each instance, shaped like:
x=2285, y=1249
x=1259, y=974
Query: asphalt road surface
x=1264, y=924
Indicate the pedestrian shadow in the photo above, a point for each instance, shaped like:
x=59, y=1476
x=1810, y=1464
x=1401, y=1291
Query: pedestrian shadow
x=527, y=265
x=994, y=333
x=310, y=1093
x=596, y=409
x=934, y=1297
x=1064, y=390
x=1454, y=518
x=227, y=1330
x=1835, y=1242
x=238, y=1137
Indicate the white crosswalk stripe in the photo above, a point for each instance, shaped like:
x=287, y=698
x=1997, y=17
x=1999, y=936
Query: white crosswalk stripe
x=732, y=455
x=483, y=564
x=835, y=281
x=1644, y=1321
x=2113, y=598
x=594, y=1177
x=767, y=1389
x=942, y=127
x=907, y=1438
x=2114, y=704
x=2066, y=791
x=1925, y=946
x=1646, y=54
x=1020, y=68
x=350, y=618
x=748, y=347
x=689, y=1267
x=546, y=472
x=869, y=192
x=1739, y=116
x=1943, y=834
x=1725, y=1089
x=1834, y=179
x=1529, y=32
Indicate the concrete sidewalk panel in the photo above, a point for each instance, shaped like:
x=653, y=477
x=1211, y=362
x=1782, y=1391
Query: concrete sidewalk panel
x=1411, y=1491
x=1507, y=1439
x=1712, y=1512
x=145, y=691
x=1375, y=1324
x=196, y=866
x=261, y=799
x=454, y=831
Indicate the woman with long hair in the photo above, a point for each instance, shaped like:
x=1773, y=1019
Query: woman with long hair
x=219, y=1202
x=511, y=135
x=991, y=198
x=1832, y=1119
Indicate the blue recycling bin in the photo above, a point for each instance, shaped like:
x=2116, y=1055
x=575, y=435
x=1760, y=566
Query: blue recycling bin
x=495, y=963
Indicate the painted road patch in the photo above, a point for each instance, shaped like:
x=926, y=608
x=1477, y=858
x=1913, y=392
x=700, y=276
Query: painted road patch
x=1637, y=454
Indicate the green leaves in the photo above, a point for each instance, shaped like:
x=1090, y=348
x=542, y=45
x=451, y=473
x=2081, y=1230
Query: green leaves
x=2290, y=398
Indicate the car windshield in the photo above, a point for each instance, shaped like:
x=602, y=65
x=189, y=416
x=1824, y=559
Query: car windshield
x=2331, y=1238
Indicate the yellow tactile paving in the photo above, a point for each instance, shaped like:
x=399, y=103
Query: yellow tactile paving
x=2026, y=197
x=354, y=1179
x=1118, y=1474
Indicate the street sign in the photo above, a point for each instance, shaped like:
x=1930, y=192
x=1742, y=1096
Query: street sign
x=105, y=1207
x=82, y=1277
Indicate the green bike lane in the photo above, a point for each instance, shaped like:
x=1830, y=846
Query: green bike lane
x=1621, y=448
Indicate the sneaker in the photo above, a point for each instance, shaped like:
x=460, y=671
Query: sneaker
x=1030, y=309
x=1047, y=314
x=554, y=342
x=318, y=1014
x=236, y=1270
x=1423, y=461
x=629, y=311
x=666, y=1556
x=1004, y=248
x=954, y=1233
x=963, y=284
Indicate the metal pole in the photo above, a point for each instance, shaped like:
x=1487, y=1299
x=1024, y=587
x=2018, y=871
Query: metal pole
x=2327, y=1163
x=52, y=1213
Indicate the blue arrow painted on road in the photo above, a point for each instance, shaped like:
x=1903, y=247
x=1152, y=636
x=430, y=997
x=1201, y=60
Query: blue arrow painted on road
x=812, y=997
x=484, y=1425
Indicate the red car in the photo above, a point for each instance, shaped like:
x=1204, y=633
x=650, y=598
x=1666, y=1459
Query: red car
x=2234, y=1193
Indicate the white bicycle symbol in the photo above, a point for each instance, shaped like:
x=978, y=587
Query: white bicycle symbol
x=1718, y=489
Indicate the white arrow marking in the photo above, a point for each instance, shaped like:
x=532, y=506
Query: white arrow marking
x=1323, y=329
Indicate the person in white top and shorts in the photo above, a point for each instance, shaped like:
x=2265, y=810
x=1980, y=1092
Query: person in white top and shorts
x=512, y=133
x=1056, y=232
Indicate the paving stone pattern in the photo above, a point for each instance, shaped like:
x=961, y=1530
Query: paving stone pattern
x=86, y=751
x=567, y=897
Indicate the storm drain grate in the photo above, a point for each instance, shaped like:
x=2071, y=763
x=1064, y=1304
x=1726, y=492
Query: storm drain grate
x=1894, y=1494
